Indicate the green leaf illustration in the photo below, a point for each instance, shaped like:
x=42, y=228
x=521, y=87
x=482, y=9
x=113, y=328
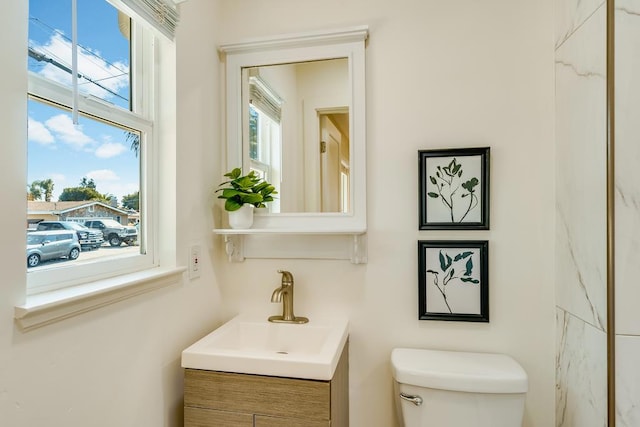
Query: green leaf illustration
x=462, y=255
x=469, y=267
x=456, y=167
x=469, y=280
x=433, y=180
x=443, y=264
x=432, y=194
x=470, y=184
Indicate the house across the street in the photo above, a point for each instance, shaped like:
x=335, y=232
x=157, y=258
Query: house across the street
x=81, y=211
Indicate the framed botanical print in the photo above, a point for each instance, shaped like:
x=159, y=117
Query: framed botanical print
x=454, y=189
x=453, y=280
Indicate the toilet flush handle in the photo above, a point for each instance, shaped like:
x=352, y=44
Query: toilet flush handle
x=416, y=400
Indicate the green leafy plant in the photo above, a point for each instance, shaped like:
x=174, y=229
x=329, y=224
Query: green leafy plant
x=447, y=273
x=245, y=189
x=448, y=180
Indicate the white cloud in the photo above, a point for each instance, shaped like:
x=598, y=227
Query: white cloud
x=102, y=175
x=69, y=133
x=110, y=149
x=57, y=177
x=112, y=76
x=39, y=133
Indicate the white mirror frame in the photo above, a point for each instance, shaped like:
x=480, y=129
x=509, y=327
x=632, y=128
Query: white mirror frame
x=347, y=43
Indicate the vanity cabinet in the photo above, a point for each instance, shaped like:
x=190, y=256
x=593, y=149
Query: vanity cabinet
x=226, y=399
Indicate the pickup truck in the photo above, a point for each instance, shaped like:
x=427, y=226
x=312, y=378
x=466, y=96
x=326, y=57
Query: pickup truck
x=114, y=232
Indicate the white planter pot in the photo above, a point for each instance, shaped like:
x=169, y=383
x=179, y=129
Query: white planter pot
x=242, y=218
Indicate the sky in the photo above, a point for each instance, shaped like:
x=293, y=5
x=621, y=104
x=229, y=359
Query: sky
x=58, y=149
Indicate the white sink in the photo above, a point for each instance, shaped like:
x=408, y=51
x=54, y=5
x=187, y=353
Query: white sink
x=256, y=346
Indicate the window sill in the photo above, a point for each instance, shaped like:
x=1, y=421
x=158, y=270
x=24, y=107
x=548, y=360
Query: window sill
x=49, y=307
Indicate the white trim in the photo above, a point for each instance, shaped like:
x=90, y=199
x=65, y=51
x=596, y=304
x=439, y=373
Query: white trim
x=326, y=37
x=92, y=204
x=347, y=43
x=45, y=89
x=46, y=308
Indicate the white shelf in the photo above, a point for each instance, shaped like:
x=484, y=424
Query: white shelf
x=294, y=243
x=285, y=231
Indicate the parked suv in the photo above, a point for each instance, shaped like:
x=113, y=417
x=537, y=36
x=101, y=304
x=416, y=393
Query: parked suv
x=89, y=239
x=114, y=232
x=45, y=245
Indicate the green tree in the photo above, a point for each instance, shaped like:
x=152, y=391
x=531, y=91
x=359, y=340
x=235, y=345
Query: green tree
x=134, y=139
x=132, y=201
x=39, y=188
x=74, y=194
x=35, y=191
x=85, y=191
x=47, y=187
x=88, y=183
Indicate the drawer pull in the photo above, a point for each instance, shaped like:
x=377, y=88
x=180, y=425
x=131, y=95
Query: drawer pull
x=416, y=400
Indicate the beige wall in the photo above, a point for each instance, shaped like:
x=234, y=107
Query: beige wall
x=439, y=74
x=119, y=365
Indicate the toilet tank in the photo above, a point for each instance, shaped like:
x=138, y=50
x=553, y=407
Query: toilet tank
x=456, y=389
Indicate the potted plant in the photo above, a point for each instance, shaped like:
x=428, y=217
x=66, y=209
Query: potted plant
x=243, y=193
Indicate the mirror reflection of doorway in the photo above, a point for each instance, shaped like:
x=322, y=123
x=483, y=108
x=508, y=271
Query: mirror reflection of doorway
x=334, y=160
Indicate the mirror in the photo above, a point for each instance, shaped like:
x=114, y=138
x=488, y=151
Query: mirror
x=296, y=115
x=295, y=120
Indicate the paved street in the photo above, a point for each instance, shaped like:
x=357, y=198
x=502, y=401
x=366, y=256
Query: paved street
x=104, y=251
x=107, y=250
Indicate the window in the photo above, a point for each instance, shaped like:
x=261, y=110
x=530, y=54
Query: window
x=265, y=132
x=107, y=155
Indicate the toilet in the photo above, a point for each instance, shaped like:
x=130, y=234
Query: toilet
x=435, y=388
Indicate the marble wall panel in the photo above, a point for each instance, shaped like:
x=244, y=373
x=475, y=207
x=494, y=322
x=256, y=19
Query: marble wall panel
x=581, y=172
x=627, y=381
x=627, y=208
x=571, y=14
x=627, y=197
x=581, y=373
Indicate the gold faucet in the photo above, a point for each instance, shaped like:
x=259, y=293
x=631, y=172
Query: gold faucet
x=284, y=294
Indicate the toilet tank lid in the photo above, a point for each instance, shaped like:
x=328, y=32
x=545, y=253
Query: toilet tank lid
x=458, y=371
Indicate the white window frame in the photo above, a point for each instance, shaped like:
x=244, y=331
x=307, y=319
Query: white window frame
x=267, y=105
x=144, y=53
x=92, y=292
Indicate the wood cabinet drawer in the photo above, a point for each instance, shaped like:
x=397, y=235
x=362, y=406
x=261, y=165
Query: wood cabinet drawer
x=200, y=417
x=257, y=394
x=264, y=421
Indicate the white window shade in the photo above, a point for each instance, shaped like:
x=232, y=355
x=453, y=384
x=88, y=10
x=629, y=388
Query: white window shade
x=162, y=15
x=264, y=98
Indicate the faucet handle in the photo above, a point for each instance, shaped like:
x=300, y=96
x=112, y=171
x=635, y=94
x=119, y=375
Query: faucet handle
x=287, y=277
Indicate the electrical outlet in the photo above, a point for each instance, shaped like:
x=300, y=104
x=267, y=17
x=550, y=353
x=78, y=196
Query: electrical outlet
x=194, y=262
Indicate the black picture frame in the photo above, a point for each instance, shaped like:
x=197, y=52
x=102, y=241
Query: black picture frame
x=454, y=189
x=453, y=280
